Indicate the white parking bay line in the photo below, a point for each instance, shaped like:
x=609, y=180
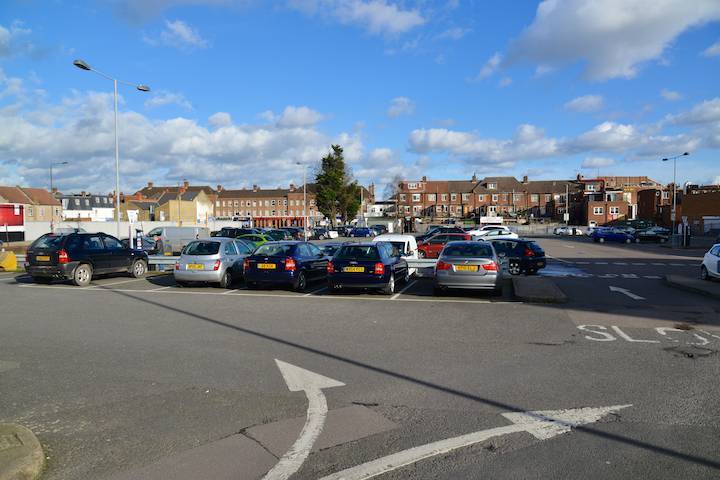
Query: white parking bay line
x=652, y=277
x=677, y=264
x=619, y=263
x=583, y=263
x=639, y=264
x=403, y=290
x=161, y=288
x=601, y=263
x=558, y=259
x=318, y=290
x=659, y=264
x=116, y=283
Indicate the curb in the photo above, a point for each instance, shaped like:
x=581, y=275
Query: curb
x=537, y=290
x=21, y=455
x=671, y=281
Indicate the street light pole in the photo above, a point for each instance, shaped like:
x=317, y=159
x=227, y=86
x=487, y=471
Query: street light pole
x=52, y=212
x=674, y=205
x=143, y=88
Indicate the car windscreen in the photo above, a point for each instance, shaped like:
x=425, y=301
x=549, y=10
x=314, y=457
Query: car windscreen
x=468, y=250
x=357, y=252
x=329, y=249
x=400, y=246
x=275, y=250
x=48, y=241
x=202, y=248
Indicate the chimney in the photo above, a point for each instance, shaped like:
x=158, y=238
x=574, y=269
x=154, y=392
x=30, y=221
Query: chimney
x=579, y=177
x=186, y=184
x=151, y=184
x=255, y=188
x=82, y=194
x=371, y=189
x=424, y=179
x=292, y=187
x=525, y=179
x=54, y=190
x=219, y=188
x=474, y=178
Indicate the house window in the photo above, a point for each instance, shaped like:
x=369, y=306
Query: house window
x=590, y=187
x=272, y=202
x=431, y=197
x=402, y=197
x=267, y=204
x=548, y=197
x=534, y=198
x=492, y=186
x=236, y=203
x=452, y=208
x=412, y=186
x=665, y=195
x=217, y=203
x=255, y=203
x=417, y=208
x=443, y=197
x=77, y=202
x=41, y=211
x=465, y=197
x=495, y=197
x=285, y=202
x=614, y=210
x=87, y=202
x=517, y=197
x=29, y=211
x=407, y=209
x=416, y=197
x=273, y=213
x=598, y=210
x=481, y=197
x=453, y=197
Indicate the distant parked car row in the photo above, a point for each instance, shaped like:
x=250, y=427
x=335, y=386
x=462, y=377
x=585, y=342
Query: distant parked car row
x=630, y=235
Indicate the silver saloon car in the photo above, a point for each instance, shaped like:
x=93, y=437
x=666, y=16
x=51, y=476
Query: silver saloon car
x=216, y=260
x=468, y=265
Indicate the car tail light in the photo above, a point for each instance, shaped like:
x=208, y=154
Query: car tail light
x=379, y=269
x=490, y=267
x=217, y=264
x=246, y=264
x=63, y=257
x=443, y=265
x=177, y=266
x=529, y=253
x=330, y=267
x=290, y=265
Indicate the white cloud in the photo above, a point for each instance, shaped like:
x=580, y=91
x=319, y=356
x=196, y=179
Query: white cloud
x=713, y=50
x=505, y=82
x=490, y=67
x=13, y=40
x=704, y=112
x=180, y=35
x=376, y=16
x=586, y=103
x=299, y=117
x=612, y=37
x=670, y=95
x=163, y=97
x=220, y=119
x=597, y=162
x=400, y=106
x=455, y=33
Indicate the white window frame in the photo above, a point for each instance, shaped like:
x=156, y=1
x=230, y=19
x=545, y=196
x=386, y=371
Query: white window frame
x=492, y=186
x=444, y=197
x=614, y=210
x=431, y=197
x=481, y=197
x=412, y=186
x=598, y=211
x=416, y=197
x=495, y=197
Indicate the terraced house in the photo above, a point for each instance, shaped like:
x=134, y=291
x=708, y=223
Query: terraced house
x=268, y=207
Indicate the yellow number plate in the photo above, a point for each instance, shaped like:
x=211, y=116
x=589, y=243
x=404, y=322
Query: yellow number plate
x=466, y=268
x=354, y=269
x=42, y=258
x=195, y=266
x=266, y=266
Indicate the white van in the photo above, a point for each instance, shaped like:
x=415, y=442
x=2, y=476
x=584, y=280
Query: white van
x=406, y=244
x=173, y=239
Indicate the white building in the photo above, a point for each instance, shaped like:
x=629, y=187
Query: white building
x=96, y=208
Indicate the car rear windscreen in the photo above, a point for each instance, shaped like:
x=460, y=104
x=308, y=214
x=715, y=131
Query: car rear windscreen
x=468, y=250
x=275, y=250
x=535, y=247
x=202, y=248
x=399, y=245
x=358, y=252
x=48, y=241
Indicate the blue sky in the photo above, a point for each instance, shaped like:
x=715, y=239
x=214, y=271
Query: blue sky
x=244, y=90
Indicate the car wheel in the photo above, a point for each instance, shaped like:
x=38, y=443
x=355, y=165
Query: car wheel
x=226, y=280
x=300, y=283
x=82, y=275
x=514, y=268
x=138, y=269
x=662, y=240
x=704, y=274
x=601, y=240
x=637, y=240
x=406, y=278
x=389, y=289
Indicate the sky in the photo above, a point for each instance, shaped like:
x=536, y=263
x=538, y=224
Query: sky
x=247, y=92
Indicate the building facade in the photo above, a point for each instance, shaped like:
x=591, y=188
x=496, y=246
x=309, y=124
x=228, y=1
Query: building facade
x=87, y=207
x=39, y=205
x=279, y=207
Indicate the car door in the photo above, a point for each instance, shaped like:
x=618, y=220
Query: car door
x=118, y=256
x=319, y=261
x=230, y=257
x=436, y=245
x=92, y=248
x=713, y=264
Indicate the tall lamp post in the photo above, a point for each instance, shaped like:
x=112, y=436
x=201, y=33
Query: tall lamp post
x=52, y=214
x=143, y=88
x=674, y=205
x=305, y=218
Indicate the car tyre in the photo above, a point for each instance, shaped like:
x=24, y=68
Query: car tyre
x=82, y=275
x=138, y=269
x=300, y=282
x=601, y=240
x=704, y=274
x=226, y=280
x=389, y=289
x=627, y=240
x=514, y=268
x=662, y=240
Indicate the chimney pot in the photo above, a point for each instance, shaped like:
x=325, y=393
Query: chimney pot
x=255, y=188
x=424, y=178
x=54, y=190
x=525, y=179
x=292, y=187
x=219, y=188
x=82, y=193
x=186, y=183
x=151, y=184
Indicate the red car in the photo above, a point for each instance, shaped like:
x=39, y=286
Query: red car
x=431, y=247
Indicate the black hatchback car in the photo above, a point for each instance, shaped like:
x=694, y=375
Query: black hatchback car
x=80, y=256
x=376, y=265
x=519, y=255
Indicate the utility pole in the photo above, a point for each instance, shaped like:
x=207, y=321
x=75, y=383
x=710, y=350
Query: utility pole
x=567, y=203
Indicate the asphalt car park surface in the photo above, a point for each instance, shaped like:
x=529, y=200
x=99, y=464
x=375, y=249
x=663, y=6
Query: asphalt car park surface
x=139, y=378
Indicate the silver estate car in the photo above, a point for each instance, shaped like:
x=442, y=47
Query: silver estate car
x=215, y=260
x=468, y=265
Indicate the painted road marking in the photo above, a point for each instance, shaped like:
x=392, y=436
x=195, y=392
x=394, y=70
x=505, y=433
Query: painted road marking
x=558, y=259
x=543, y=425
x=315, y=291
x=161, y=288
x=100, y=285
x=299, y=379
x=619, y=263
x=410, y=284
x=601, y=333
x=601, y=263
x=6, y=365
x=627, y=292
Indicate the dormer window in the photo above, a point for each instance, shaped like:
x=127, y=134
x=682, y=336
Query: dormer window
x=492, y=186
x=412, y=186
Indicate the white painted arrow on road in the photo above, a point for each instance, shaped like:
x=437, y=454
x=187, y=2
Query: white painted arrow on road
x=542, y=425
x=627, y=292
x=312, y=384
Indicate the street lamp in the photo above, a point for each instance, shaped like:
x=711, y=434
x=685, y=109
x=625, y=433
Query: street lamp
x=305, y=219
x=52, y=213
x=674, y=217
x=82, y=65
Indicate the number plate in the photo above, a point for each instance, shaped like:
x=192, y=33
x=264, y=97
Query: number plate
x=466, y=268
x=195, y=266
x=266, y=266
x=354, y=269
x=540, y=264
x=42, y=258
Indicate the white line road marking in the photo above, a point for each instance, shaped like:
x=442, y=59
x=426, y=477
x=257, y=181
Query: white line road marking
x=627, y=292
x=568, y=246
x=629, y=275
x=159, y=289
x=601, y=263
x=639, y=264
x=627, y=337
x=583, y=263
x=299, y=379
x=6, y=365
x=653, y=277
x=98, y=285
x=229, y=291
x=658, y=264
x=708, y=333
x=558, y=259
x=619, y=263
x=677, y=264
x=410, y=284
x=315, y=291
x=542, y=425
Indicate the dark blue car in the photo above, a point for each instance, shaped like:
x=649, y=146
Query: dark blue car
x=603, y=235
x=285, y=263
x=367, y=265
x=362, y=232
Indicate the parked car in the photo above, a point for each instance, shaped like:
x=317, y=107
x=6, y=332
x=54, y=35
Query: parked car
x=566, y=230
x=148, y=244
x=278, y=235
x=218, y=260
x=380, y=229
x=480, y=231
x=344, y=230
x=362, y=232
x=171, y=240
x=329, y=249
x=603, y=235
x=321, y=233
x=256, y=239
x=367, y=265
x=437, y=230
x=495, y=233
x=234, y=232
x=285, y=263
x=406, y=245
x=431, y=247
x=467, y=265
x=711, y=263
x=296, y=233
x=519, y=255
x=82, y=256
x=653, y=234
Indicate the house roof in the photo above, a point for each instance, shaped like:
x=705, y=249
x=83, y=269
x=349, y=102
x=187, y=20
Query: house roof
x=86, y=202
x=157, y=192
x=187, y=196
x=550, y=186
x=143, y=204
x=14, y=195
x=40, y=196
x=266, y=192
